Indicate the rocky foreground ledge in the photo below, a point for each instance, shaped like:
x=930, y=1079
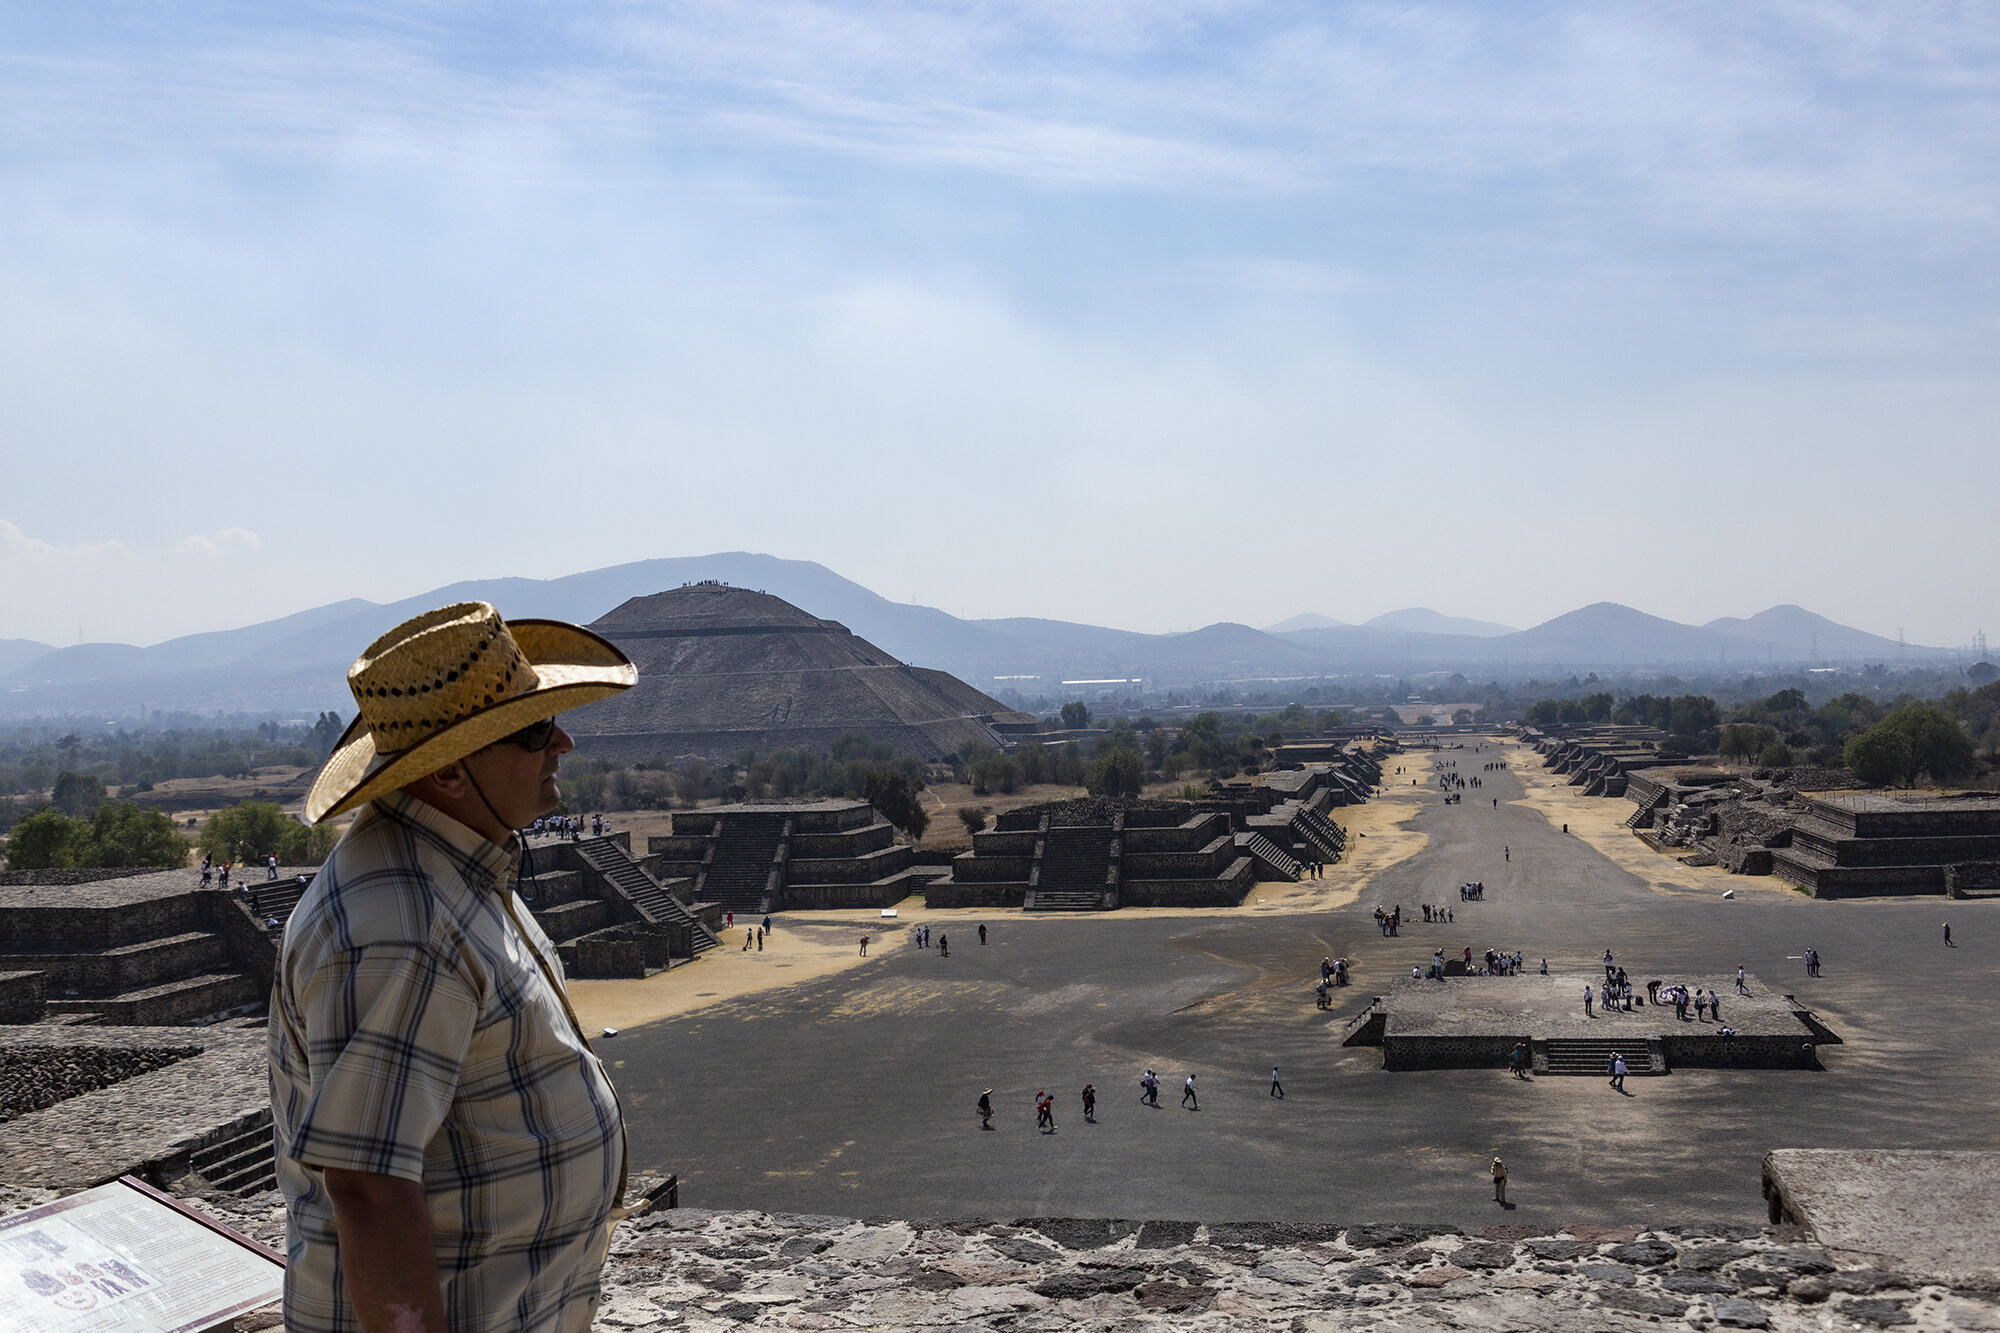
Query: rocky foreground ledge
x=700, y=1270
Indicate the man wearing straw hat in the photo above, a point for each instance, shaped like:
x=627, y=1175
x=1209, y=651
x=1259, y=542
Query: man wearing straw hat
x=451, y=1152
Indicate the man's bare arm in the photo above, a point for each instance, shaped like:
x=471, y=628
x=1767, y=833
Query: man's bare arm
x=386, y=1254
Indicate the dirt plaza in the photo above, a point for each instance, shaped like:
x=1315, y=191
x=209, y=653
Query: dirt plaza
x=851, y=1090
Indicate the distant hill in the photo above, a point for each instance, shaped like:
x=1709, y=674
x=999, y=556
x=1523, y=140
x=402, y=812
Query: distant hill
x=16, y=653
x=1423, y=620
x=1304, y=620
x=1606, y=633
x=297, y=663
x=1793, y=631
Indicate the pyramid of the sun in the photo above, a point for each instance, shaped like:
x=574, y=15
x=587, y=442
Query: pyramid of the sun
x=723, y=670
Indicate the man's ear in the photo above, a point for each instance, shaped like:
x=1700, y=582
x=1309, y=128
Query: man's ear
x=448, y=782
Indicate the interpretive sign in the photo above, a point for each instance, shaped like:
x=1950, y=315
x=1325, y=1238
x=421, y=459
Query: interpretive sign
x=124, y=1257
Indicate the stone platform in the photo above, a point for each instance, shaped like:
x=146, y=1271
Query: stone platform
x=1475, y=1023
x=1933, y=1215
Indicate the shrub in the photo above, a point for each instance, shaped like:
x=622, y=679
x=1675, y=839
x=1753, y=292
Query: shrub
x=974, y=817
x=1879, y=756
x=43, y=841
x=255, y=829
x=1119, y=773
x=117, y=833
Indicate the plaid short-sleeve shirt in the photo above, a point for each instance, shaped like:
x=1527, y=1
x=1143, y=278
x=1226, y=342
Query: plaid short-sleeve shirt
x=418, y=1029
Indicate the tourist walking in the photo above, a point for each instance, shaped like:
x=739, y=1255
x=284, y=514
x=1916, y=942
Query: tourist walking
x=1149, y=1088
x=944, y=946
x=1089, y=1104
x=1586, y=1000
x=1741, y=987
x=1277, y=1088
x=1187, y=1093
x=982, y=932
x=1499, y=1181
x=271, y=872
x=864, y=946
x=1618, y=1072
x=1947, y=936
x=986, y=1109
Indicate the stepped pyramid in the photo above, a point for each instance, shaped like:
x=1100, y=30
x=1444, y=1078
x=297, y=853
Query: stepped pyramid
x=723, y=670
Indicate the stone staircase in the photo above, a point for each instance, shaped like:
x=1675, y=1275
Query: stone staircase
x=737, y=872
x=1321, y=834
x=1642, y=814
x=242, y=1164
x=1271, y=858
x=276, y=898
x=616, y=866
x=1071, y=873
x=1592, y=1055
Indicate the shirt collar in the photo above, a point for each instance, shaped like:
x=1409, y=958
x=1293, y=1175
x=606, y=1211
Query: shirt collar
x=480, y=853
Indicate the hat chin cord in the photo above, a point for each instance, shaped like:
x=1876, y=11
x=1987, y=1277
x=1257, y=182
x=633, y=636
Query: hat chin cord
x=524, y=872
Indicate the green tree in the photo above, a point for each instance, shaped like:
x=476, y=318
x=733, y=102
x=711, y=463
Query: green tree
x=1879, y=756
x=324, y=734
x=1693, y=714
x=45, y=840
x=1075, y=715
x=898, y=799
x=256, y=829
x=1742, y=741
x=1786, y=701
x=1776, y=755
x=1597, y=707
x=1939, y=749
x=123, y=833
x=1122, y=772
x=1544, y=713
x=77, y=794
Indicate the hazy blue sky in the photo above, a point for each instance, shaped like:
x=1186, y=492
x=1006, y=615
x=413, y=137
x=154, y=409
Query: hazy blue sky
x=1145, y=314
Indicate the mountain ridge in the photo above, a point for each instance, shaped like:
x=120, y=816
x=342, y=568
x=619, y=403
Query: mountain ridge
x=299, y=661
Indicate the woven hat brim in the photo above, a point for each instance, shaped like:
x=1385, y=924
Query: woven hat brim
x=573, y=667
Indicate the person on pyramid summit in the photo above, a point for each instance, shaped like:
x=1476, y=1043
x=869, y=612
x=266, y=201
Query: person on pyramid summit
x=451, y=1152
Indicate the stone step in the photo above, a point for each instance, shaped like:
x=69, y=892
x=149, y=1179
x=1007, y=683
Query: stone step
x=171, y=1005
x=1066, y=900
x=1592, y=1055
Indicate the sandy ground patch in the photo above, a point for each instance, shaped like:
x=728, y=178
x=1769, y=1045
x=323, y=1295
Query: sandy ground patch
x=797, y=949
x=806, y=946
x=1600, y=821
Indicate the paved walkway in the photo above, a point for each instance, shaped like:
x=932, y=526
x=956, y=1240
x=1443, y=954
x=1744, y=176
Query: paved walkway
x=853, y=1094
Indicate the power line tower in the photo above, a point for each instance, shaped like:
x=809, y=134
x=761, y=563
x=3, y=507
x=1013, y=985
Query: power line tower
x=1979, y=645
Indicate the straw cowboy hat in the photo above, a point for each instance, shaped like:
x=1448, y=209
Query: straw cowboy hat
x=452, y=681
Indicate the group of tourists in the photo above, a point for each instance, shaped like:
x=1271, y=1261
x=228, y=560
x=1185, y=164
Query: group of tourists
x=1472, y=892
x=567, y=827
x=1332, y=972
x=1496, y=963
x=1439, y=914
x=1389, y=923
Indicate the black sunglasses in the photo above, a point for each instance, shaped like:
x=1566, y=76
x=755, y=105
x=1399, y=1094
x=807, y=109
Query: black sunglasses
x=535, y=737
